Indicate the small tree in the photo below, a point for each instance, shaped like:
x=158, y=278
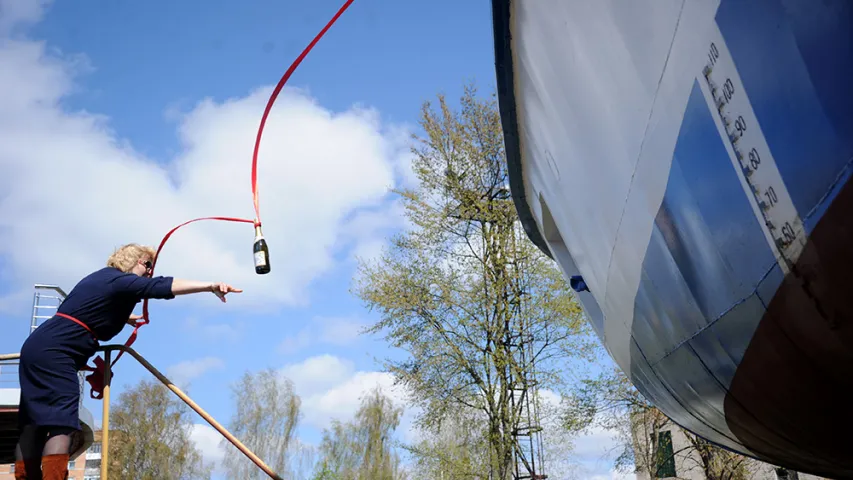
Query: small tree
x=362, y=449
x=717, y=463
x=455, y=450
x=266, y=417
x=151, y=436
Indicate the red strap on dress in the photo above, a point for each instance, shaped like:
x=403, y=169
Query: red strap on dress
x=78, y=322
x=95, y=379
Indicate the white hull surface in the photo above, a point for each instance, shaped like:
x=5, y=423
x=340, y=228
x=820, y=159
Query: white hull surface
x=689, y=159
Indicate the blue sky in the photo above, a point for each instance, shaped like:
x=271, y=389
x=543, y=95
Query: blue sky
x=388, y=55
x=120, y=119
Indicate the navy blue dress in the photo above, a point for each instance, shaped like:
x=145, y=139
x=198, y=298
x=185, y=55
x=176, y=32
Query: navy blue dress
x=59, y=347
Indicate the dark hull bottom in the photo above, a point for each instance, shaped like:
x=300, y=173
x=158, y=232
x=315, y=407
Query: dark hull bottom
x=802, y=354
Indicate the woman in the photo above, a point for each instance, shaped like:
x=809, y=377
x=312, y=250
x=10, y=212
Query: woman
x=98, y=307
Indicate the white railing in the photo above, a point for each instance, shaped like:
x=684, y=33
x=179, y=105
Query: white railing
x=45, y=303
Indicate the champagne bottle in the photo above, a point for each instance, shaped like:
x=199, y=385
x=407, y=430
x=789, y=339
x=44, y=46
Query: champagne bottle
x=262, y=253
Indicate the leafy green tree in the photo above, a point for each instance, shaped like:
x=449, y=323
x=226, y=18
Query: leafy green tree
x=150, y=433
x=464, y=292
x=266, y=417
x=362, y=449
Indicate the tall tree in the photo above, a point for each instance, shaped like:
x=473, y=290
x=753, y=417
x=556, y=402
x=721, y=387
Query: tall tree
x=362, y=449
x=463, y=291
x=150, y=430
x=266, y=417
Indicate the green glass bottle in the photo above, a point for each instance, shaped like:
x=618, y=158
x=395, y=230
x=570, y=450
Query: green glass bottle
x=262, y=253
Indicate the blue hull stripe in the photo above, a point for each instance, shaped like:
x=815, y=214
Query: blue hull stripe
x=796, y=62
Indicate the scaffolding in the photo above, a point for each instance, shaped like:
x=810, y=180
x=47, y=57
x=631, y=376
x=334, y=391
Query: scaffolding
x=528, y=453
x=527, y=434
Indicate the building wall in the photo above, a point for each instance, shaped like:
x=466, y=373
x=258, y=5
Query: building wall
x=687, y=464
x=87, y=466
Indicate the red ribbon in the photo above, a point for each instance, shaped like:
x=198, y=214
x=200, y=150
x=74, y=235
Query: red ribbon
x=96, y=378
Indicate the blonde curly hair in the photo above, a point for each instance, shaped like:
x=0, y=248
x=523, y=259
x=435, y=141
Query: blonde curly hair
x=127, y=256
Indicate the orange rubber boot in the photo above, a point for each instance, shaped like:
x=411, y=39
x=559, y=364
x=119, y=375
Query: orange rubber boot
x=20, y=470
x=54, y=467
x=28, y=469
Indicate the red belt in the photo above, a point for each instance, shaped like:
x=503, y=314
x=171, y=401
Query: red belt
x=78, y=322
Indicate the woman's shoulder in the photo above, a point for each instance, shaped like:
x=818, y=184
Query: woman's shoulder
x=95, y=282
x=108, y=273
x=99, y=275
x=114, y=276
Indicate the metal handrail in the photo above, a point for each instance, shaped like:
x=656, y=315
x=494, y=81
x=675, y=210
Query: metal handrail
x=36, y=305
x=55, y=288
x=105, y=428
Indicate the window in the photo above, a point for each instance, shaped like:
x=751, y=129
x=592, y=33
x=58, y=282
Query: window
x=665, y=458
x=71, y=464
x=93, y=463
x=95, y=448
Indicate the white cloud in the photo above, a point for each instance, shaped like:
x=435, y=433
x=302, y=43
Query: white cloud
x=207, y=440
x=331, y=388
x=67, y=171
x=342, y=401
x=597, y=444
x=595, y=452
x=184, y=372
x=375, y=225
x=318, y=373
x=339, y=331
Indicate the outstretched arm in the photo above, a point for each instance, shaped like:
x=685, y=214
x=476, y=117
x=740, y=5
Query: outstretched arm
x=167, y=287
x=186, y=287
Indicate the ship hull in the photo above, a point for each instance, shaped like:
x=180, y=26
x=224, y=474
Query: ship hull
x=690, y=160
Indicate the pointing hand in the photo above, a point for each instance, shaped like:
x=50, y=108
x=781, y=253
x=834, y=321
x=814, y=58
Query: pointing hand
x=221, y=289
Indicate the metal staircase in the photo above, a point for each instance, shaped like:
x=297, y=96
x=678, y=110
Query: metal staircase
x=46, y=299
x=528, y=453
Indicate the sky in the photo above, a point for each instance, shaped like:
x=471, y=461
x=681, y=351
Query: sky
x=119, y=120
